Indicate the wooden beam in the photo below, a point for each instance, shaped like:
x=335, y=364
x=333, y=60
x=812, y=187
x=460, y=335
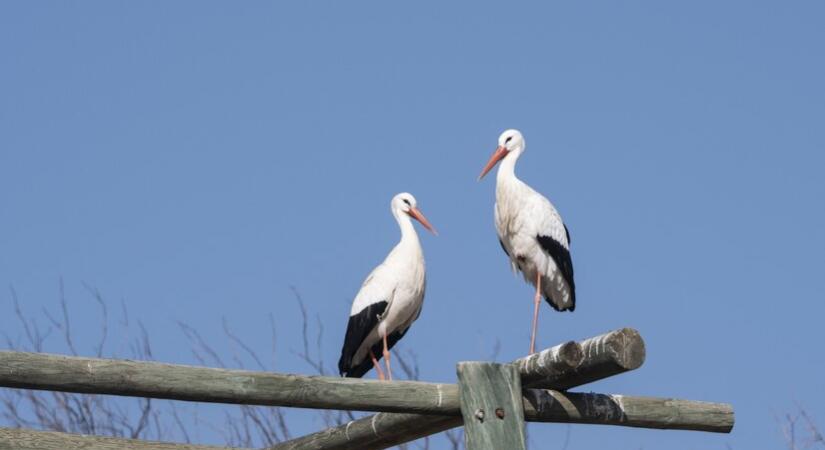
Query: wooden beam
x=602, y=356
x=202, y=384
x=546, y=366
x=377, y=431
x=21, y=439
x=641, y=412
x=491, y=406
x=385, y=430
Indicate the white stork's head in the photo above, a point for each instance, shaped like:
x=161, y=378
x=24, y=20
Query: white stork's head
x=511, y=141
x=404, y=203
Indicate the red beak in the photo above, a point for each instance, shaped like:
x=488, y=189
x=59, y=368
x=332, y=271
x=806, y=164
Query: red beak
x=500, y=153
x=416, y=214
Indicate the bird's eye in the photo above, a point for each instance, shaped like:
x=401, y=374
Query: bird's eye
x=406, y=201
x=508, y=139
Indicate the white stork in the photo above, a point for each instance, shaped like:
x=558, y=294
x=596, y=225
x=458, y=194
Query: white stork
x=531, y=232
x=389, y=300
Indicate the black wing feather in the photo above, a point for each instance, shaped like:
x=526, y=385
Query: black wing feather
x=377, y=350
x=565, y=264
x=358, y=328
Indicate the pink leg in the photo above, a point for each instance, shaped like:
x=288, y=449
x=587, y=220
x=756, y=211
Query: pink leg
x=535, y=313
x=387, y=359
x=377, y=366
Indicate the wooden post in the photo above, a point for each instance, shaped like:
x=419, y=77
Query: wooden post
x=491, y=406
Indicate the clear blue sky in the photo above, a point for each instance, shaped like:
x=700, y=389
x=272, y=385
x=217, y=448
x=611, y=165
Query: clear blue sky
x=195, y=159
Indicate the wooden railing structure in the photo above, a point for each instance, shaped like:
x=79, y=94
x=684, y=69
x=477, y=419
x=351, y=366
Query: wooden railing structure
x=491, y=400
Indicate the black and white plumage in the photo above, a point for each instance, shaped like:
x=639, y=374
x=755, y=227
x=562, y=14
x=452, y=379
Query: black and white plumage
x=390, y=298
x=531, y=231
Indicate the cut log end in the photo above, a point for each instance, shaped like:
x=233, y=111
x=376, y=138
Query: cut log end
x=624, y=348
x=629, y=348
x=571, y=353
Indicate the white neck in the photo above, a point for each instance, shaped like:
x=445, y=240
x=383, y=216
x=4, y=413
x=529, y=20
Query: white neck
x=408, y=233
x=507, y=167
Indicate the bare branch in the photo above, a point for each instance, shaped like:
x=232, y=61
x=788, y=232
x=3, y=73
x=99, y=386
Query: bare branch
x=32, y=334
x=104, y=320
x=241, y=344
x=196, y=339
x=815, y=435
x=67, y=332
x=456, y=438
x=179, y=423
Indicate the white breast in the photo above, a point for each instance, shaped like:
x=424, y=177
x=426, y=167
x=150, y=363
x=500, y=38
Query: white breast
x=400, y=280
x=521, y=215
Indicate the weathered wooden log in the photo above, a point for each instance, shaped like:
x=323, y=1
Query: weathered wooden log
x=539, y=406
x=642, y=412
x=604, y=356
x=546, y=366
x=557, y=367
x=385, y=430
x=377, y=431
x=21, y=439
x=491, y=405
x=202, y=384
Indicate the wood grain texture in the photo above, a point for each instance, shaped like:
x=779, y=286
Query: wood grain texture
x=546, y=366
x=377, y=431
x=202, y=384
x=20, y=439
x=563, y=366
x=604, y=356
x=642, y=412
x=491, y=405
x=386, y=430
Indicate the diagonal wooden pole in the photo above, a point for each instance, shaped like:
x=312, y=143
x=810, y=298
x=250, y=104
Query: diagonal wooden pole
x=21, y=439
